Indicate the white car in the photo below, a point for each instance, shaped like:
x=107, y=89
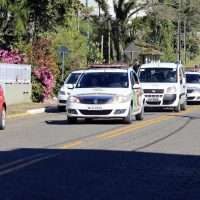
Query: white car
x=66, y=89
x=106, y=92
x=193, y=86
x=164, y=85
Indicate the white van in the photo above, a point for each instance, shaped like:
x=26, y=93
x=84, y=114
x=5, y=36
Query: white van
x=164, y=85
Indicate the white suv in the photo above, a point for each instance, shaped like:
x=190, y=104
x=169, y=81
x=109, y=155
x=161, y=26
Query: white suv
x=164, y=85
x=106, y=92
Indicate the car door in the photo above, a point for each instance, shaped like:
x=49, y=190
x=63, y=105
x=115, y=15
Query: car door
x=182, y=85
x=134, y=93
x=138, y=91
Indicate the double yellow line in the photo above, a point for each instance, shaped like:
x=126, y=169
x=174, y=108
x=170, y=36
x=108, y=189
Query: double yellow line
x=129, y=129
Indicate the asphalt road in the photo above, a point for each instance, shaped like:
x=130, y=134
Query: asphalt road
x=43, y=157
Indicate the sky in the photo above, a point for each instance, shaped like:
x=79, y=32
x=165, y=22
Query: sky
x=95, y=5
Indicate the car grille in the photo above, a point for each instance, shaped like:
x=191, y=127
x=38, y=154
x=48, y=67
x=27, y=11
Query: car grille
x=95, y=112
x=95, y=99
x=190, y=91
x=154, y=91
x=62, y=101
x=154, y=96
x=190, y=98
x=154, y=103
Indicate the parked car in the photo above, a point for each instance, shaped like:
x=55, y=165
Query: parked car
x=164, y=85
x=106, y=92
x=2, y=109
x=193, y=86
x=67, y=87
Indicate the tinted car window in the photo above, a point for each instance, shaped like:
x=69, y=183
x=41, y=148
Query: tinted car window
x=73, y=78
x=158, y=75
x=104, y=79
x=192, y=78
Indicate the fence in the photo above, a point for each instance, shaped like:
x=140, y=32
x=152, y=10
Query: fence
x=16, y=81
x=12, y=73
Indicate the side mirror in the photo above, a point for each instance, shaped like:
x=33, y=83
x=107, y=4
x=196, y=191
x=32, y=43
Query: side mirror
x=136, y=86
x=181, y=81
x=70, y=86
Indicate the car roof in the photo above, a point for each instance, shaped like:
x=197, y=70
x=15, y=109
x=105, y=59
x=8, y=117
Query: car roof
x=160, y=65
x=106, y=70
x=77, y=71
x=198, y=73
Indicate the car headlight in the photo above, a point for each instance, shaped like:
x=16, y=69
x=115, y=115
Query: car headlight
x=121, y=98
x=171, y=90
x=74, y=99
x=61, y=92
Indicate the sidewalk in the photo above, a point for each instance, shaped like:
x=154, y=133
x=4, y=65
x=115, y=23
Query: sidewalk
x=25, y=109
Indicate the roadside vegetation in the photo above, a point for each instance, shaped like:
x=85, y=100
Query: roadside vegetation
x=32, y=31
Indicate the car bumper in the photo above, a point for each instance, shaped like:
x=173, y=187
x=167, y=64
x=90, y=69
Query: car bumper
x=161, y=100
x=98, y=111
x=193, y=97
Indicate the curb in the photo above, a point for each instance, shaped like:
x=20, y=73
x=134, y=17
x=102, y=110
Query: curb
x=27, y=113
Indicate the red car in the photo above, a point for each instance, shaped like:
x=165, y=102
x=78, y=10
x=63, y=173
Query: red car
x=2, y=109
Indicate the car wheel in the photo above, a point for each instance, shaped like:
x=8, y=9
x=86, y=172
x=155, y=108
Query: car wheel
x=128, y=119
x=3, y=119
x=72, y=120
x=184, y=106
x=178, y=108
x=140, y=116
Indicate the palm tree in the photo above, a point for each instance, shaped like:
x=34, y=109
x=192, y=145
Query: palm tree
x=123, y=10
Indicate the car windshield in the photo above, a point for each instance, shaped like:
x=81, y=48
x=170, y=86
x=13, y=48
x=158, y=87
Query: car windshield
x=73, y=78
x=193, y=78
x=158, y=75
x=104, y=80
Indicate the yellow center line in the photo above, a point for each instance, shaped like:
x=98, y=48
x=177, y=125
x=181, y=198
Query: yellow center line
x=128, y=129
x=71, y=145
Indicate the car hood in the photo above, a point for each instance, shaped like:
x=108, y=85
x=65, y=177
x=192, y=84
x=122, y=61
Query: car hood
x=101, y=91
x=192, y=85
x=157, y=85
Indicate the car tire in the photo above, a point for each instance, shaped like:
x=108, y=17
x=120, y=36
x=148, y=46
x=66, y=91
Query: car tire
x=178, y=108
x=71, y=120
x=128, y=119
x=140, y=116
x=3, y=119
x=184, y=106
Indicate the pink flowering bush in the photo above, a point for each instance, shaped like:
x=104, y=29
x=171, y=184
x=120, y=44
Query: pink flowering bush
x=11, y=57
x=46, y=78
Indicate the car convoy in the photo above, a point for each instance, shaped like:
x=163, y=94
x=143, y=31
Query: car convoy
x=117, y=92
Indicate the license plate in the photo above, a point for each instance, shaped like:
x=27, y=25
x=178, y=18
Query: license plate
x=95, y=108
x=153, y=99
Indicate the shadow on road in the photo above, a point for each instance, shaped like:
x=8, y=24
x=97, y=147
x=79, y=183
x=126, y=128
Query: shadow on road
x=97, y=175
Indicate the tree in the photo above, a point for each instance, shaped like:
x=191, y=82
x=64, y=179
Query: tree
x=124, y=11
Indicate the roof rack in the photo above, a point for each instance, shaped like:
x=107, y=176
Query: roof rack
x=117, y=65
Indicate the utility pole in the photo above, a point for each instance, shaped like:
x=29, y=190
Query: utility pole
x=109, y=39
x=179, y=32
x=185, y=32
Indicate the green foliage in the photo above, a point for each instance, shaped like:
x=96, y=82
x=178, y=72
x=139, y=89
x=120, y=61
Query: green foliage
x=167, y=42
x=72, y=39
x=37, y=90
